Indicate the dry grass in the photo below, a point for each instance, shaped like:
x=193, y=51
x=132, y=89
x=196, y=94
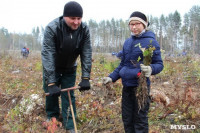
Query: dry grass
x=99, y=109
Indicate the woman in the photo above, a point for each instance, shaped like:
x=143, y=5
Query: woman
x=135, y=120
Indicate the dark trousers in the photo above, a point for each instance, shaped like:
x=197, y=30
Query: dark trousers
x=134, y=121
x=65, y=80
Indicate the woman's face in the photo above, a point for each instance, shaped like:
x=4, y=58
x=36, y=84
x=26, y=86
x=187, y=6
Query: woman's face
x=136, y=27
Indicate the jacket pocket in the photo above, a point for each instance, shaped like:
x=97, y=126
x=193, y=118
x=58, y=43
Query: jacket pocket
x=129, y=73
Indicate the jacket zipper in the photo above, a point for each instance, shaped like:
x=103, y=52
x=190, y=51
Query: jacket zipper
x=71, y=35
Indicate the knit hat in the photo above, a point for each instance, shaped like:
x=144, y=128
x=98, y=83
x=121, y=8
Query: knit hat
x=72, y=9
x=139, y=17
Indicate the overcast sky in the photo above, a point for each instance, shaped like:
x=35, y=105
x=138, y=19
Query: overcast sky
x=21, y=16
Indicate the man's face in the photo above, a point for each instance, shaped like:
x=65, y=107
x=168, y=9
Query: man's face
x=73, y=22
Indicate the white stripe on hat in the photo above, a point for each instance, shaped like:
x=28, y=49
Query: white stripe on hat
x=138, y=19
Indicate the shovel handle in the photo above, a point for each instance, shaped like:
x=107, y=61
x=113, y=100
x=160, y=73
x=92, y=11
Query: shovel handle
x=72, y=111
x=66, y=89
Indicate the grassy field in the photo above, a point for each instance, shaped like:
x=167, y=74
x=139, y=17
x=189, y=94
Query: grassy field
x=22, y=100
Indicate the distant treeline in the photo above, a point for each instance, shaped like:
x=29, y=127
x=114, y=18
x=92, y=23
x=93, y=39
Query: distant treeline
x=173, y=33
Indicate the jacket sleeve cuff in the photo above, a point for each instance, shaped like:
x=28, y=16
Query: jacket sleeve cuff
x=113, y=78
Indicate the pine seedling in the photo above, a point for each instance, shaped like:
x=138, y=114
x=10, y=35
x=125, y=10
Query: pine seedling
x=142, y=90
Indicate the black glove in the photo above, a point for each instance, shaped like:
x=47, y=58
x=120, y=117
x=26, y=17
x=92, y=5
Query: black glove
x=54, y=90
x=84, y=84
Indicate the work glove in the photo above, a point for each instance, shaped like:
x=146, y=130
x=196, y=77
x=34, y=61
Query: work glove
x=84, y=84
x=54, y=90
x=146, y=69
x=107, y=80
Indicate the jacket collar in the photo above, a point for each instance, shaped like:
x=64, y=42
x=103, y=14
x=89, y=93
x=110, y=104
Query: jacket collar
x=139, y=34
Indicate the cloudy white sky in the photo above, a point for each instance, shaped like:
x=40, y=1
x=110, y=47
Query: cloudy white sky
x=21, y=16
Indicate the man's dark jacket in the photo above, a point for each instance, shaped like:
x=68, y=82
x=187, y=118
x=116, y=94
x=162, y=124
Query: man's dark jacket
x=61, y=48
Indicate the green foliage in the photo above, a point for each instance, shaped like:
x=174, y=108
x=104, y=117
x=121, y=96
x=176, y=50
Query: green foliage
x=168, y=70
x=38, y=66
x=16, y=85
x=139, y=58
x=14, y=112
x=192, y=69
x=111, y=65
x=147, y=53
x=13, y=115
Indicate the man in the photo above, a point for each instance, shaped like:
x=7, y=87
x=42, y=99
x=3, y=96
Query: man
x=65, y=38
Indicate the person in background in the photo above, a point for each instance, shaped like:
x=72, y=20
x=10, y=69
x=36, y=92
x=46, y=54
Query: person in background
x=24, y=52
x=65, y=38
x=28, y=51
x=119, y=55
x=184, y=53
x=135, y=120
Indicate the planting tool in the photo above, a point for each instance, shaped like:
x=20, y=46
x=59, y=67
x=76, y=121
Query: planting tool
x=70, y=103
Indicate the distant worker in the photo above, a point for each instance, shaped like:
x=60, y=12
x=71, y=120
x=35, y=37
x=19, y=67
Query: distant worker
x=184, y=53
x=24, y=52
x=119, y=55
x=27, y=50
x=113, y=53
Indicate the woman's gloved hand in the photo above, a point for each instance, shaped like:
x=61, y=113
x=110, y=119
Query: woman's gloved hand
x=107, y=80
x=146, y=69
